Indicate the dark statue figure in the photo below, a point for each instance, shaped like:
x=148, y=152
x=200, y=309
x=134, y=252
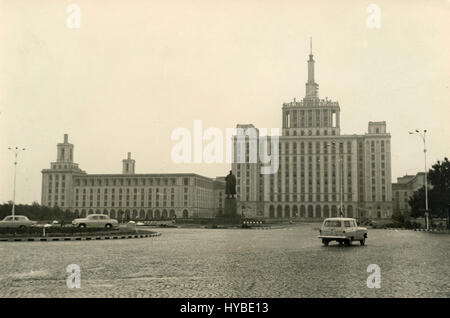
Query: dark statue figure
x=230, y=188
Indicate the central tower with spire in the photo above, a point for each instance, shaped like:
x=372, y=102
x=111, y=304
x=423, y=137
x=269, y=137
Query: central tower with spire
x=311, y=86
x=321, y=172
x=311, y=116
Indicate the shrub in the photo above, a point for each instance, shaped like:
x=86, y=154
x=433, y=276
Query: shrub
x=37, y=212
x=398, y=217
x=53, y=231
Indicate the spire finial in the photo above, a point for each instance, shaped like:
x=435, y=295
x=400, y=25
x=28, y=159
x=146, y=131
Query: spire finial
x=311, y=86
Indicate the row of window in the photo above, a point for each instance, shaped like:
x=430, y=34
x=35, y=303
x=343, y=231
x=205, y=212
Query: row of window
x=323, y=212
x=135, y=214
x=310, y=118
x=56, y=177
x=129, y=182
x=127, y=204
x=310, y=132
x=62, y=166
x=135, y=190
x=311, y=197
x=82, y=200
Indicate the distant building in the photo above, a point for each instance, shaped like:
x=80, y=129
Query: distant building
x=129, y=195
x=403, y=189
x=311, y=174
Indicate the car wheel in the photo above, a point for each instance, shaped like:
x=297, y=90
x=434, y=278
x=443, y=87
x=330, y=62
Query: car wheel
x=348, y=242
x=108, y=226
x=325, y=242
x=82, y=226
x=22, y=227
x=362, y=242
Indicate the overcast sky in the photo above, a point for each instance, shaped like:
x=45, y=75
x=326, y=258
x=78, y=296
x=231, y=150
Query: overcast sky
x=135, y=70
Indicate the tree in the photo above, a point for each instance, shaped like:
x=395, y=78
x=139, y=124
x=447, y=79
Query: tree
x=438, y=193
x=417, y=203
x=36, y=212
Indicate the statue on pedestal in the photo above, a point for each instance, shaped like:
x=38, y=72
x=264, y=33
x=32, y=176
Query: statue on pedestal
x=230, y=188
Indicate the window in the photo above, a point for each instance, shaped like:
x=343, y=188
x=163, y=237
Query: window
x=333, y=224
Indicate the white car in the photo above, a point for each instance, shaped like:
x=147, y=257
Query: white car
x=96, y=221
x=19, y=221
x=342, y=230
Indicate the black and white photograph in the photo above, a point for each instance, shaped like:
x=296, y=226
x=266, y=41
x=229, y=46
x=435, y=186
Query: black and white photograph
x=243, y=151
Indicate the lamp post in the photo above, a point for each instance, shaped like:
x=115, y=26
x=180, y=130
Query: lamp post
x=341, y=177
x=16, y=151
x=422, y=135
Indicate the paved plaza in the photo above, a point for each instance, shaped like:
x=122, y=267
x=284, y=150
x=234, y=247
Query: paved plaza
x=288, y=261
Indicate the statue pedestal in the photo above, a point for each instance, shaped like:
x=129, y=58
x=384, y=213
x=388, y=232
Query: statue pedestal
x=230, y=215
x=230, y=209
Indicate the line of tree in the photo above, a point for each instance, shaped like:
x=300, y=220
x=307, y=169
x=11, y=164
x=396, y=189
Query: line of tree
x=438, y=193
x=36, y=212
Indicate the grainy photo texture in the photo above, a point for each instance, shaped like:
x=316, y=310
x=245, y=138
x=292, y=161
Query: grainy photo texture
x=224, y=149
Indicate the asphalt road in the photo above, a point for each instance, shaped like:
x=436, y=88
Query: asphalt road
x=281, y=262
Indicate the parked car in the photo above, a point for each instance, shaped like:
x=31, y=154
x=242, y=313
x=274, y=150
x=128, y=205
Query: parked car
x=342, y=230
x=19, y=221
x=96, y=221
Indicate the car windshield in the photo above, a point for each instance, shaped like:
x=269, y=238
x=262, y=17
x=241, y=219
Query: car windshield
x=333, y=223
x=8, y=218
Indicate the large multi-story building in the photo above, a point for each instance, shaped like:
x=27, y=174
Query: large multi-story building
x=129, y=195
x=403, y=189
x=321, y=171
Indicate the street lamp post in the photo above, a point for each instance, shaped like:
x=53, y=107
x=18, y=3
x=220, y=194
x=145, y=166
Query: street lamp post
x=423, y=137
x=16, y=151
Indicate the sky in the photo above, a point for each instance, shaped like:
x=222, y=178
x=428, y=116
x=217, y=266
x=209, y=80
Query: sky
x=136, y=70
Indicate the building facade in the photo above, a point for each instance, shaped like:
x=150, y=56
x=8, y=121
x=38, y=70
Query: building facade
x=129, y=196
x=403, y=189
x=321, y=172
